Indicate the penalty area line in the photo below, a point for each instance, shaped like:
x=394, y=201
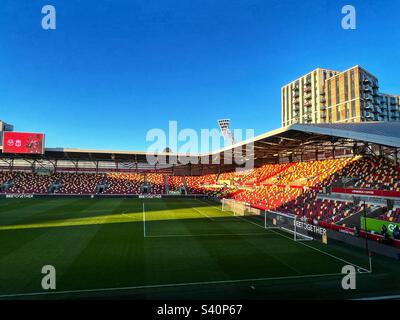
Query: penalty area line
x=201, y=283
x=203, y=214
x=211, y=235
x=359, y=269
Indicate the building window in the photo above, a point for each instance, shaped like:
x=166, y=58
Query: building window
x=337, y=91
x=329, y=94
x=352, y=85
x=353, y=109
x=285, y=92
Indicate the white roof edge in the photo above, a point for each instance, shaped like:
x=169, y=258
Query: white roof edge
x=313, y=128
x=362, y=136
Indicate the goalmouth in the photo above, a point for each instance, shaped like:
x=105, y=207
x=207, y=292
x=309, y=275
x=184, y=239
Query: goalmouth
x=268, y=219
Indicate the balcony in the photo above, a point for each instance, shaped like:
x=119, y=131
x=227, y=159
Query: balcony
x=366, y=81
x=308, y=118
x=323, y=100
x=308, y=104
x=367, y=89
x=369, y=97
x=369, y=107
x=377, y=110
x=308, y=96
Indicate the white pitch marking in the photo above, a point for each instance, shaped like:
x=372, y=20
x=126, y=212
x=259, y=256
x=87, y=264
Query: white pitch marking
x=304, y=244
x=167, y=285
x=210, y=235
x=204, y=214
x=144, y=222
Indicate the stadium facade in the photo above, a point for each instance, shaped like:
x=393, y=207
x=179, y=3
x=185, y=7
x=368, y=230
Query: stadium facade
x=328, y=96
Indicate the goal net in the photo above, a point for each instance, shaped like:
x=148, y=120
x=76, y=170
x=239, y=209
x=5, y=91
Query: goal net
x=269, y=219
x=239, y=208
x=288, y=223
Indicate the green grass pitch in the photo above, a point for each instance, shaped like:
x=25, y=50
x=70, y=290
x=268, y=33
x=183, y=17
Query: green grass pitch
x=180, y=248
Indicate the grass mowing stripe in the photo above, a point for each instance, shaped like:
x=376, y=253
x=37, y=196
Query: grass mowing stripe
x=265, y=252
x=170, y=285
x=103, y=256
x=203, y=214
x=210, y=235
x=304, y=244
x=144, y=221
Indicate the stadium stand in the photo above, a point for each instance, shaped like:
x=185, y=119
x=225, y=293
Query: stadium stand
x=175, y=183
x=78, y=183
x=23, y=182
x=265, y=172
x=308, y=173
x=5, y=176
x=309, y=206
x=288, y=188
x=156, y=180
x=199, y=184
x=123, y=183
x=391, y=215
x=369, y=173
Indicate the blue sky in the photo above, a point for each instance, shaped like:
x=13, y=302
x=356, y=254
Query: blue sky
x=112, y=70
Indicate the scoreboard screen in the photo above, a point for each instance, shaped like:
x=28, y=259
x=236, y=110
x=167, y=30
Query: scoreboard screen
x=23, y=142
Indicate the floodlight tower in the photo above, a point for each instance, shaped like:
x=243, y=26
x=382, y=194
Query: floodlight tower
x=224, y=125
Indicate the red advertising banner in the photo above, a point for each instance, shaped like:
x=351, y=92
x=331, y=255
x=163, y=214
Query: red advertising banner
x=22, y=142
x=367, y=192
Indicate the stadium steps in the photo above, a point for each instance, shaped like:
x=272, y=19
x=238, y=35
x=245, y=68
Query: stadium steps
x=185, y=184
x=270, y=176
x=166, y=184
x=352, y=221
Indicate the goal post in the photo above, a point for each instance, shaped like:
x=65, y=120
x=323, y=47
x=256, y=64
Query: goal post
x=239, y=208
x=288, y=223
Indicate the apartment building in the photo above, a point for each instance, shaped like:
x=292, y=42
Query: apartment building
x=327, y=96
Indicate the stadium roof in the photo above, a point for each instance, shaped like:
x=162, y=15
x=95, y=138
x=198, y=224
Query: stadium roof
x=302, y=137
x=294, y=139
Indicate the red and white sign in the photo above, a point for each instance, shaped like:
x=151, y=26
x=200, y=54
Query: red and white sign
x=367, y=192
x=22, y=142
